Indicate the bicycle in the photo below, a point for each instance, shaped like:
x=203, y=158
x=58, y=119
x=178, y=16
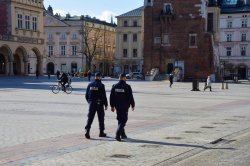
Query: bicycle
x=57, y=88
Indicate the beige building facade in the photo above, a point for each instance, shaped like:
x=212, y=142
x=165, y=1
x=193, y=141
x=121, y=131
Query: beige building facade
x=65, y=45
x=129, y=49
x=21, y=37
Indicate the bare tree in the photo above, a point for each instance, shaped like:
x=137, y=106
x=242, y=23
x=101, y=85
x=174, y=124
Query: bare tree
x=91, y=38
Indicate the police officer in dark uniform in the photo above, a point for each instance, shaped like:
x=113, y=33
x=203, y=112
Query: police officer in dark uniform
x=121, y=98
x=96, y=97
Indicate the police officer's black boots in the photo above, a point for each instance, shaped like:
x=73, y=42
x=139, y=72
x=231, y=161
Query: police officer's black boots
x=118, y=138
x=102, y=134
x=124, y=136
x=87, y=134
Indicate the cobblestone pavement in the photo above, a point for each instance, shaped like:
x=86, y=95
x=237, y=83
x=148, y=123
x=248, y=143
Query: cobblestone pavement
x=170, y=126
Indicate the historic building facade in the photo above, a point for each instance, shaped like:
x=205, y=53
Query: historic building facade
x=129, y=49
x=64, y=43
x=21, y=37
x=175, y=36
x=235, y=38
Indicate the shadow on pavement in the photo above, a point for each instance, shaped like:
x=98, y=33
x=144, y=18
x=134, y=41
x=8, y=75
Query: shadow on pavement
x=31, y=82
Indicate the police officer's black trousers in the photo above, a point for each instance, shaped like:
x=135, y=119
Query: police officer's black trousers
x=122, y=117
x=93, y=108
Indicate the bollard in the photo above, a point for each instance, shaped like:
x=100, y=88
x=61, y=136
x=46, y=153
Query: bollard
x=226, y=86
x=222, y=85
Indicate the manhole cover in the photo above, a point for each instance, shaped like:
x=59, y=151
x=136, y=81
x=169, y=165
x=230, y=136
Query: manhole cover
x=173, y=138
x=230, y=119
x=121, y=156
x=219, y=123
x=150, y=146
x=207, y=127
x=196, y=132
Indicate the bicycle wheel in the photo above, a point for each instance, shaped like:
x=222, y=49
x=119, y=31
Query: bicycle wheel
x=55, y=89
x=69, y=89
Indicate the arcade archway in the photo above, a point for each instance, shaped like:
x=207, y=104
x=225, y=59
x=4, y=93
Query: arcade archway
x=2, y=64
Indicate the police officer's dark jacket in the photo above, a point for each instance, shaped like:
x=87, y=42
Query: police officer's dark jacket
x=121, y=95
x=96, y=93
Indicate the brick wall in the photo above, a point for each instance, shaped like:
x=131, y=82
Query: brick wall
x=185, y=20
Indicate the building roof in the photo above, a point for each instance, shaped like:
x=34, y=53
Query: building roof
x=133, y=13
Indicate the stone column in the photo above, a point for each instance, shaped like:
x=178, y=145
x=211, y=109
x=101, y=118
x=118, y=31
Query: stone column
x=11, y=73
x=26, y=67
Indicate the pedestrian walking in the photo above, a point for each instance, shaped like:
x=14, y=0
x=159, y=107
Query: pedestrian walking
x=89, y=75
x=97, y=100
x=37, y=74
x=208, y=84
x=121, y=98
x=171, y=78
x=48, y=74
x=58, y=74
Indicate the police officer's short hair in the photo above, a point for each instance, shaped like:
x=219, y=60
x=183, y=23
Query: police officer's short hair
x=98, y=74
x=122, y=75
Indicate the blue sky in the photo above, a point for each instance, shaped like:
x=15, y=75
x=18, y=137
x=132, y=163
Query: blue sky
x=102, y=9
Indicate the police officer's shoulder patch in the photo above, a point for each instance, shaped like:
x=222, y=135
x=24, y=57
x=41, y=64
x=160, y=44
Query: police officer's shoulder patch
x=119, y=90
x=94, y=88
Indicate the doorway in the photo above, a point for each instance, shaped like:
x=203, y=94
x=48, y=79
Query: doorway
x=242, y=72
x=51, y=68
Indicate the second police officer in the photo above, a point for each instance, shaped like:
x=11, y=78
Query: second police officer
x=97, y=100
x=121, y=98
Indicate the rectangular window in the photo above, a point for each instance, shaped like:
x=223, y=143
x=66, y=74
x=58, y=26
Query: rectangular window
x=165, y=39
x=74, y=36
x=63, y=37
x=229, y=24
x=74, y=49
x=125, y=23
x=63, y=50
x=125, y=37
x=243, y=51
x=134, y=53
x=229, y=51
x=157, y=40
x=192, y=40
x=243, y=37
x=168, y=9
x=125, y=53
x=34, y=23
x=27, y=22
x=20, y=21
x=134, y=37
x=50, y=48
x=63, y=67
x=229, y=37
x=210, y=22
x=135, y=24
x=50, y=36
x=244, y=23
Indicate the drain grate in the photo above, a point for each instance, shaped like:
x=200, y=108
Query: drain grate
x=173, y=138
x=150, y=146
x=239, y=117
x=195, y=132
x=221, y=140
x=217, y=141
x=219, y=123
x=123, y=156
x=207, y=127
x=231, y=119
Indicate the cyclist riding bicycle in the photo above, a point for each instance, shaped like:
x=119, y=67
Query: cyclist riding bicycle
x=63, y=80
